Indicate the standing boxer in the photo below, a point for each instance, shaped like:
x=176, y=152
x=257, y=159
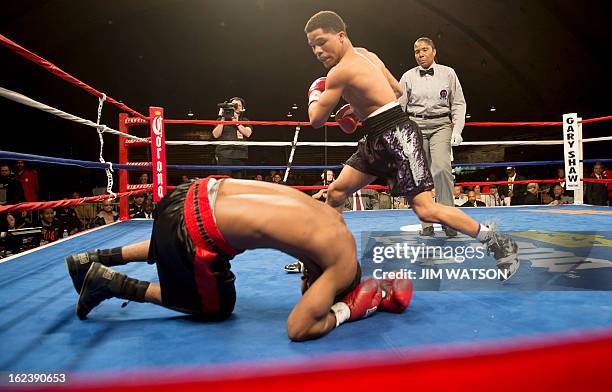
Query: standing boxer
x=392, y=146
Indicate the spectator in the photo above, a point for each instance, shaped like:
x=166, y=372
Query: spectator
x=478, y=194
x=459, y=197
x=486, y=188
x=235, y=155
x=596, y=193
x=11, y=191
x=492, y=199
x=473, y=201
x=363, y=199
x=433, y=98
x=328, y=176
x=29, y=181
x=385, y=201
x=560, y=177
x=400, y=203
x=607, y=174
x=52, y=228
x=531, y=195
x=137, y=204
x=277, y=179
x=86, y=212
x=11, y=222
x=559, y=196
x=144, y=178
x=106, y=215
x=512, y=193
x=147, y=210
x=258, y=177
x=69, y=219
x=185, y=179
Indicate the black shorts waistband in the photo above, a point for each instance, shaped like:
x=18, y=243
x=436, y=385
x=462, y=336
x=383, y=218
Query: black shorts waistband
x=384, y=121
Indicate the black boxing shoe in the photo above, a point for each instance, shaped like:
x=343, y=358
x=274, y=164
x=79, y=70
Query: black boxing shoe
x=450, y=233
x=100, y=283
x=427, y=231
x=505, y=251
x=78, y=264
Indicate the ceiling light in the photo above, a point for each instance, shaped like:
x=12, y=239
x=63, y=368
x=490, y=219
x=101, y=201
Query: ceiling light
x=189, y=113
x=492, y=108
x=294, y=107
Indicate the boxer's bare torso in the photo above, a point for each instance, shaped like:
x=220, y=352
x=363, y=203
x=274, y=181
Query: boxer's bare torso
x=256, y=214
x=365, y=79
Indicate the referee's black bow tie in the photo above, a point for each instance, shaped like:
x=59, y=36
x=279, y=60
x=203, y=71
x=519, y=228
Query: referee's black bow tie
x=426, y=72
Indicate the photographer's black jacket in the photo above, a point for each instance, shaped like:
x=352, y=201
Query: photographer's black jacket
x=230, y=132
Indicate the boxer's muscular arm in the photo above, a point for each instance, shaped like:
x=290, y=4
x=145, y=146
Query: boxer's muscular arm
x=393, y=83
x=319, y=111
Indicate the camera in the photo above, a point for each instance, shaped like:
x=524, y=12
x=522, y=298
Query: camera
x=228, y=110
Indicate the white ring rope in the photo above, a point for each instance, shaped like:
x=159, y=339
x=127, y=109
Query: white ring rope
x=597, y=139
x=109, y=169
x=22, y=99
x=347, y=144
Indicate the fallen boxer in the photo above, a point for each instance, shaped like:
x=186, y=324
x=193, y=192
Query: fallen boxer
x=200, y=227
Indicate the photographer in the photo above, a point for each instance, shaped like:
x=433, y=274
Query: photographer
x=232, y=155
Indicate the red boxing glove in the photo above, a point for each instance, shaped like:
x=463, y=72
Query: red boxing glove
x=316, y=89
x=397, y=294
x=359, y=303
x=347, y=119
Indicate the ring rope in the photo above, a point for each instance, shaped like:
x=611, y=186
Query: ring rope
x=39, y=205
x=108, y=170
x=58, y=72
x=65, y=161
x=145, y=165
x=333, y=144
x=22, y=99
x=467, y=124
x=597, y=139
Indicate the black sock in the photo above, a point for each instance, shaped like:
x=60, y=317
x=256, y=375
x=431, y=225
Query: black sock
x=124, y=287
x=111, y=257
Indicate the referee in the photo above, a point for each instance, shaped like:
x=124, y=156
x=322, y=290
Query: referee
x=433, y=98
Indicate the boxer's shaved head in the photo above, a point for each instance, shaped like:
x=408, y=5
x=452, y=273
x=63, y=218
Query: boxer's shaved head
x=328, y=21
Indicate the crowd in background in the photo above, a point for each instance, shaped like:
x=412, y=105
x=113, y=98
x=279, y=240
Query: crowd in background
x=20, y=184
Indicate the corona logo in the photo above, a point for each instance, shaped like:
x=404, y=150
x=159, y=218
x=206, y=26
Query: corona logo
x=157, y=125
x=158, y=153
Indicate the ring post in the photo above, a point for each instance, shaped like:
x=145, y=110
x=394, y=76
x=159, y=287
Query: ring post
x=571, y=154
x=158, y=152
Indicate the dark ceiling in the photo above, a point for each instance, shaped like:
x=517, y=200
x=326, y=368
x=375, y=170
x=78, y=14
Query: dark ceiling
x=532, y=60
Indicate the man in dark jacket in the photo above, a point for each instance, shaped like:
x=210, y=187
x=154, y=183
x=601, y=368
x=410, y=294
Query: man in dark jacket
x=531, y=196
x=514, y=191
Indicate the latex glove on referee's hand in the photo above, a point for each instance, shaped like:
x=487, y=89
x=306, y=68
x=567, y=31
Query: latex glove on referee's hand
x=456, y=139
